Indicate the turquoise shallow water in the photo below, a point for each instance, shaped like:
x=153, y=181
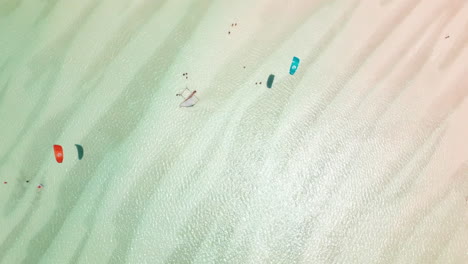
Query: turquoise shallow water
x=357, y=158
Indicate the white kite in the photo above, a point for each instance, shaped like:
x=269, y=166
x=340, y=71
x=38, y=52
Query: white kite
x=189, y=98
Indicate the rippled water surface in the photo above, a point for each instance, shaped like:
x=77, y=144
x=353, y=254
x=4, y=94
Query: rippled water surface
x=360, y=157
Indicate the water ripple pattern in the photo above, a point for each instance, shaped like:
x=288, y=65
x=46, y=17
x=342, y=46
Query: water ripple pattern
x=360, y=157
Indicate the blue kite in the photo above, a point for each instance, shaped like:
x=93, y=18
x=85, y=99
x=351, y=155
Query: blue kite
x=294, y=65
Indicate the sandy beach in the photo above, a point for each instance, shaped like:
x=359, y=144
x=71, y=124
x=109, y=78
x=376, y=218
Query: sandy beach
x=359, y=157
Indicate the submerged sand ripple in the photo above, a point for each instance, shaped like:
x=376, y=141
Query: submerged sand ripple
x=360, y=157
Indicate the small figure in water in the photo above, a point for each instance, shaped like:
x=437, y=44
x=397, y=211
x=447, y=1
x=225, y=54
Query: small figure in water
x=40, y=186
x=5, y=182
x=229, y=32
x=27, y=181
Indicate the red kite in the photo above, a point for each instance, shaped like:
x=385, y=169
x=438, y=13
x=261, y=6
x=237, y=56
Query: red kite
x=58, y=153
